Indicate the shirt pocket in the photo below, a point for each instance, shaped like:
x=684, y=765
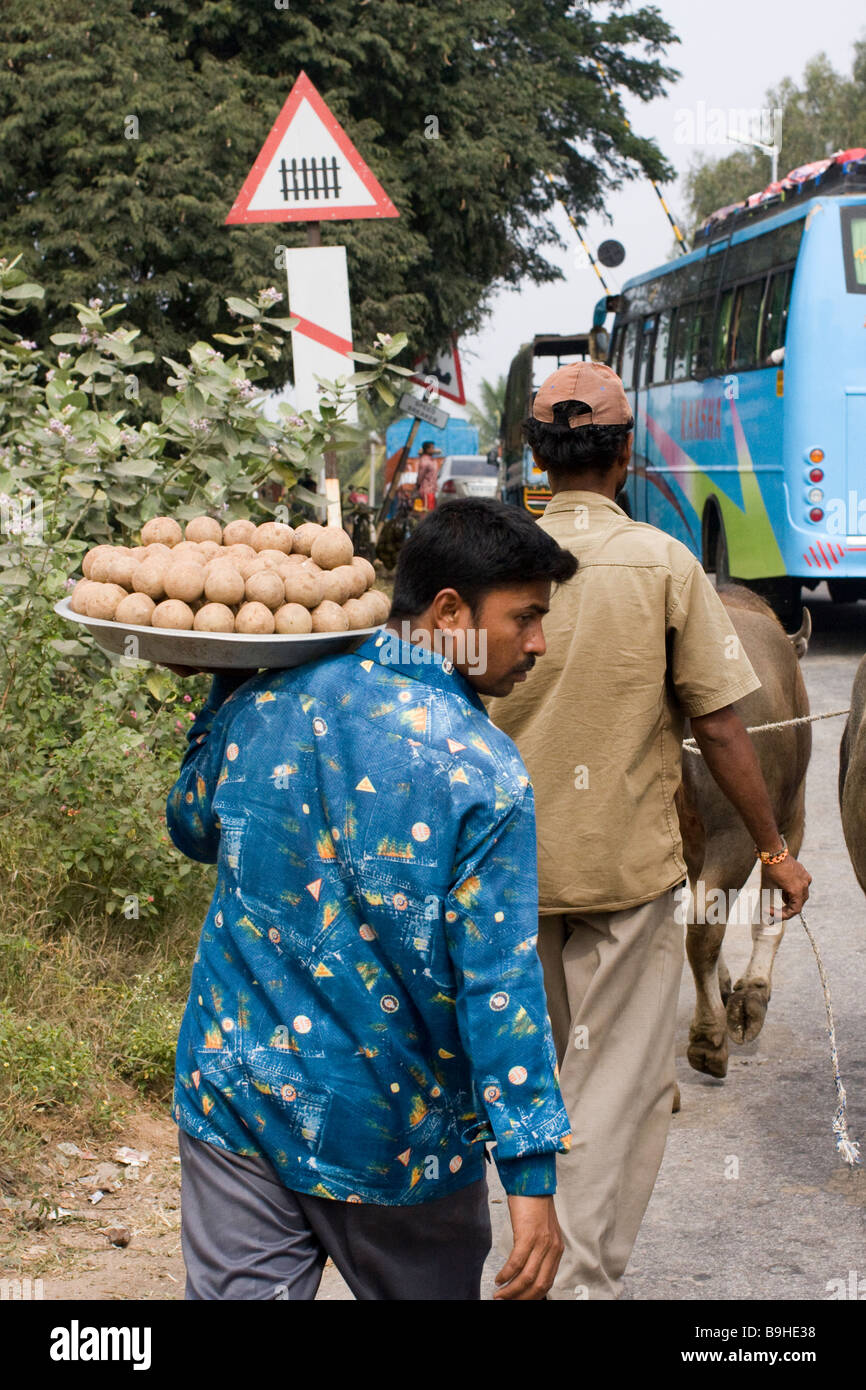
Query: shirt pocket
x=277, y=1085
x=399, y=835
x=416, y=920
x=221, y=1071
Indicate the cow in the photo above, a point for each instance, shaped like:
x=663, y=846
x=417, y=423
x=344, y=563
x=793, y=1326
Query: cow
x=852, y=776
x=718, y=850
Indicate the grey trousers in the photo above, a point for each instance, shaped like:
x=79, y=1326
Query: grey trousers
x=246, y=1236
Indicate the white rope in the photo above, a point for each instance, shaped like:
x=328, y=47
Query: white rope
x=846, y=1146
x=690, y=744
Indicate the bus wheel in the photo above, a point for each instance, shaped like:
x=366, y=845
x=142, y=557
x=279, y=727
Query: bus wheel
x=720, y=556
x=846, y=590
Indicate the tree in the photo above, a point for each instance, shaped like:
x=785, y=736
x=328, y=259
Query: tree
x=127, y=129
x=488, y=416
x=826, y=112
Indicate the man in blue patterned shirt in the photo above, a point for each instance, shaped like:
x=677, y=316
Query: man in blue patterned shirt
x=366, y=1005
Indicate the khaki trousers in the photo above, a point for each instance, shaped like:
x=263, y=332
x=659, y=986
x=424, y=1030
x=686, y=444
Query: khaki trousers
x=612, y=982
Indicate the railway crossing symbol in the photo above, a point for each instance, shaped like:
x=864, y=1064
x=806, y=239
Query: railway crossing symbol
x=308, y=170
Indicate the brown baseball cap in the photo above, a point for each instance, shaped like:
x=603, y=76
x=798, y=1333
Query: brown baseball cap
x=594, y=383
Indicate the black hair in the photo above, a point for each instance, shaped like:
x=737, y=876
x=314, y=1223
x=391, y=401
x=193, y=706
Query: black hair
x=474, y=545
x=428, y=444
x=584, y=449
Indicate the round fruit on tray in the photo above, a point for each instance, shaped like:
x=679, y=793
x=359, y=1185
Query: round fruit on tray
x=240, y=596
x=213, y=650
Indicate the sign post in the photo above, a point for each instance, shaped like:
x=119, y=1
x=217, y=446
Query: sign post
x=422, y=410
x=309, y=171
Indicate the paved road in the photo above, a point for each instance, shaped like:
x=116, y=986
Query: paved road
x=793, y=1220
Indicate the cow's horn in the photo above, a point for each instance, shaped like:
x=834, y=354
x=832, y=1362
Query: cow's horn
x=800, y=640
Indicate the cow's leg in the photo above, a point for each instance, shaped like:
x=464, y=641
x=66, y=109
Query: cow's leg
x=747, y=1006
x=728, y=866
x=725, y=987
x=708, y=1042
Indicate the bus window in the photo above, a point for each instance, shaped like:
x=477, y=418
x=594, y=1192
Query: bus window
x=629, y=346
x=679, y=368
x=854, y=248
x=775, y=313
x=722, y=335
x=645, y=372
x=701, y=343
x=660, y=356
x=747, y=318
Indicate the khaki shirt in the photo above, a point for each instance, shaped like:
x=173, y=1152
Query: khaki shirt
x=636, y=642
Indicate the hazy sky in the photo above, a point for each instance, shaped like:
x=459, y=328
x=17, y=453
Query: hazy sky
x=729, y=54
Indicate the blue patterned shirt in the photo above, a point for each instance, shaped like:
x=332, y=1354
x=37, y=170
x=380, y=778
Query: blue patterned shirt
x=366, y=1005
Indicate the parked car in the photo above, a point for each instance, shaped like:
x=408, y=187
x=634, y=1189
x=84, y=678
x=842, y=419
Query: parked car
x=467, y=475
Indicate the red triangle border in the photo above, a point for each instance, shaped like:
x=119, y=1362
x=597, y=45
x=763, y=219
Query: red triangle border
x=304, y=90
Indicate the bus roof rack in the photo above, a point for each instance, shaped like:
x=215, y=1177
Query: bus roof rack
x=840, y=173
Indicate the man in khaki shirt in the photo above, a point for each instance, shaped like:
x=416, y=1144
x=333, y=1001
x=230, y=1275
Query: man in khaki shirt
x=637, y=642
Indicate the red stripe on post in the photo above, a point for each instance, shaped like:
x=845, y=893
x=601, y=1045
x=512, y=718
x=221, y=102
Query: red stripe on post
x=321, y=335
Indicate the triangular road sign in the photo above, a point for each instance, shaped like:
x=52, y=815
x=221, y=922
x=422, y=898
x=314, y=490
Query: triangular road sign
x=443, y=372
x=308, y=170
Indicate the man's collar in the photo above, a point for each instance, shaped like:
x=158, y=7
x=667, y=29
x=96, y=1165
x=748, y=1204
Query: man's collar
x=419, y=663
x=593, y=501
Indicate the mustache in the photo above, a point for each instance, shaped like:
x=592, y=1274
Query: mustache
x=528, y=664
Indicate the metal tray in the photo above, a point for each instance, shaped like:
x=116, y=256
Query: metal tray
x=212, y=650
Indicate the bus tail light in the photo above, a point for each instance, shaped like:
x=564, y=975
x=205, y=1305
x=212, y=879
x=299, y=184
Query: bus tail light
x=816, y=514
x=816, y=475
x=816, y=455
x=815, y=495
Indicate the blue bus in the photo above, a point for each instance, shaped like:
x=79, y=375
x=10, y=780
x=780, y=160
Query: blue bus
x=745, y=363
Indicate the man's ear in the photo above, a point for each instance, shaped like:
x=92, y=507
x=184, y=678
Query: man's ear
x=445, y=609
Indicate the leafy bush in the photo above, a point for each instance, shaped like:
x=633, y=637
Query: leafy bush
x=100, y=911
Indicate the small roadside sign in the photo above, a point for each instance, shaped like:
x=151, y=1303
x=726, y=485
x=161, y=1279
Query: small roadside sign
x=442, y=372
x=308, y=170
x=423, y=410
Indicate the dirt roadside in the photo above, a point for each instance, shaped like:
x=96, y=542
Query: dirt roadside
x=73, y=1254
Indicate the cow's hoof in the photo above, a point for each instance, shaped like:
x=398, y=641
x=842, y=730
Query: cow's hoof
x=746, y=1010
x=708, y=1054
x=676, y=1105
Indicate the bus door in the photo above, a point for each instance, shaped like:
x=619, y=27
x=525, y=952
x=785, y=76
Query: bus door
x=627, y=364
x=635, y=385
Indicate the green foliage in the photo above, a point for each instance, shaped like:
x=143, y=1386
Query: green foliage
x=825, y=112
x=488, y=416
x=41, y=1063
x=146, y=1024
x=135, y=212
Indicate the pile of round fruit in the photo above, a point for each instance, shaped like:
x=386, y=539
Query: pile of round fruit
x=242, y=577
